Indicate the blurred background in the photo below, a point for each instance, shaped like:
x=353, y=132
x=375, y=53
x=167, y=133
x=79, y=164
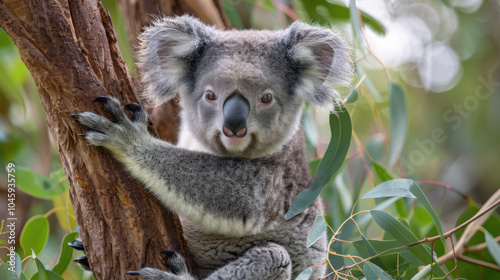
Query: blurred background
x=444, y=54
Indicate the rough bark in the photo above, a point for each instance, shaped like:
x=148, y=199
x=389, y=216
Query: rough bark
x=70, y=48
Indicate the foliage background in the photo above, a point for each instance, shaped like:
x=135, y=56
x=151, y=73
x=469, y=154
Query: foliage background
x=444, y=54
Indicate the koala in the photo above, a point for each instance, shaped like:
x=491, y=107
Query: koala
x=241, y=156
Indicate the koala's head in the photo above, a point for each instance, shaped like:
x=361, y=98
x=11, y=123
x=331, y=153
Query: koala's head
x=242, y=92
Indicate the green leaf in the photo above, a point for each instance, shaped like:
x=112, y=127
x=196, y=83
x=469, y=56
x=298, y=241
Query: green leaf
x=417, y=192
x=353, y=96
x=341, y=130
x=304, y=275
x=66, y=253
x=376, y=148
x=382, y=173
x=316, y=231
x=356, y=26
x=395, y=187
x=66, y=218
x=38, y=185
x=493, y=247
x=404, y=236
x=35, y=234
x=372, y=253
x=51, y=276
x=373, y=272
x=269, y=5
x=7, y=274
x=399, y=121
x=337, y=12
x=42, y=273
x=370, y=86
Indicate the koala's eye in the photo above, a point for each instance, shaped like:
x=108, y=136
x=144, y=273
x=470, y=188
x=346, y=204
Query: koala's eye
x=267, y=98
x=210, y=95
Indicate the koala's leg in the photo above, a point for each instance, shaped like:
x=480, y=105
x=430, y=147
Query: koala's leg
x=262, y=262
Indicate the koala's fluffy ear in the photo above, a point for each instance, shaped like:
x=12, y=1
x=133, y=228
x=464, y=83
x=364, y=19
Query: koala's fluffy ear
x=168, y=49
x=323, y=60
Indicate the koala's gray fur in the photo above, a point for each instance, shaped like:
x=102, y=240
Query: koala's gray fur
x=231, y=196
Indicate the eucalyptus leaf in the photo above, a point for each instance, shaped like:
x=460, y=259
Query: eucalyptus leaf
x=373, y=272
x=493, y=247
x=341, y=130
x=357, y=26
x=404, y=236
x=399, y=121
x=38, y=185
x=338, y=11
x=353, y=96
x=66, y=253
x=7, y=274
x=304, y=275
x=395, y=187
x=316, y=231
x=42, y=273
x=419, y=194
x=35, y=234
x=382, y=173
x=372, y=253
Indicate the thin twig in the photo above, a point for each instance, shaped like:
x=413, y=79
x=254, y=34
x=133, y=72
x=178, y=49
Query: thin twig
x=478, y=247
x=479, y=262
x=431, y=239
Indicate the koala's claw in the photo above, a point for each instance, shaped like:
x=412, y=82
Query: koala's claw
x=137, y=113
x=175, y=261
x=102, y=99
x=83, y=262
x=133, y=107
x=76, y=244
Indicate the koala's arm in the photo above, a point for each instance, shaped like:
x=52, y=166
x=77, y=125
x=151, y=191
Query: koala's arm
x=222, y=195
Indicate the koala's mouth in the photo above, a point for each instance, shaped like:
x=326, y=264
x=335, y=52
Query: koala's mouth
x=235, y=145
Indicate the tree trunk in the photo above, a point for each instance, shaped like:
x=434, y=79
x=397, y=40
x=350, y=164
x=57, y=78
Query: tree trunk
x=70, y=48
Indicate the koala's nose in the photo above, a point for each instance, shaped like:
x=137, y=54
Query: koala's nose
x=236, y=109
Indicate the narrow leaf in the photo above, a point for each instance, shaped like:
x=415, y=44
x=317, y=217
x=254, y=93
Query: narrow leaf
x=304, y=275
x=66, y=253
x=399, y=121
x=373, y=272
x=341, y=130
x=357, y=26
x=42, y=273
x=372, y=253
x=382, y=173
x=417, y=192
x=395, y=187
x=404, y=236
x=493, y=247
x=316, y=231
x=35, y=234
x=337, y=12
x=353, y=96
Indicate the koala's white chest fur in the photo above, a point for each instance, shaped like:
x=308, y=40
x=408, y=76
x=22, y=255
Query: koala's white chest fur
x=187, y=141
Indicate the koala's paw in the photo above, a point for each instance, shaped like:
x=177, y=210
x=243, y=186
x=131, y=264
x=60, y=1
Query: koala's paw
x=178, y=269
x=120, y=134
